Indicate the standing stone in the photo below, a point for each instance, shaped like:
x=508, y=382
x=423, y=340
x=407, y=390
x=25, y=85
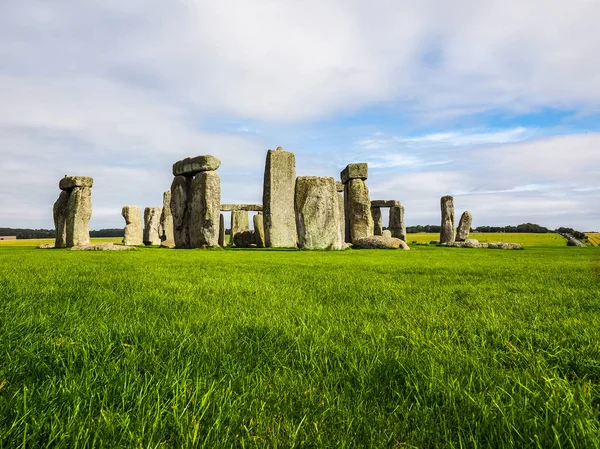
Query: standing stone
x=342, y=216
x=221, y=230
x=180, y=193
x=79, y=212
x=151, y=223
x=386, y=233
x=239, y=223
x=60, y=219
x=278, y=199
x=166, y=219
x=396, y=226
x=447, y=231
x=464, y=227
x=259, y=230
x=133, y=235
x=205, y=210
x=317, y=213
x=358, y=209
x=377, y=221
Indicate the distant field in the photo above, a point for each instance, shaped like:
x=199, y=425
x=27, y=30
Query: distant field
x=432, y=347
x=525, y=239
x=37, y=242
x=594, y=238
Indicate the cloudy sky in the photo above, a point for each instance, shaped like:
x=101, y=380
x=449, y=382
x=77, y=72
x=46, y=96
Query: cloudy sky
x=494, y=102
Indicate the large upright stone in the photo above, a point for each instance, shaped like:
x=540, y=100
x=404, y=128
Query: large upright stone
x=60, y=219
x=377, y=221
x=259, y=230
x=447, y=230
x=79, y=212
x=396, y=226
x=133, y=235
x=464, y=226
x=239, y=223
x=221, y=230
x=205, y=212
x=151, y=224
x=358, y=210
x=342, y=213
x=165, y=230
x=317, y=213
x=278, y=199
x=180, y=194
x=191, y=166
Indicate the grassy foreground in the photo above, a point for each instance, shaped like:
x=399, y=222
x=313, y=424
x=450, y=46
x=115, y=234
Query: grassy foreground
x=433, y=347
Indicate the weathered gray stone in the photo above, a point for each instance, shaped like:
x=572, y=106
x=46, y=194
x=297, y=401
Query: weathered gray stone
x=180, y=194
x=379, y=242
x=70, y=182
x=60, y=219
x=358, y=209
x=355, y=171
x=165, y=230
x=259, y=230
x=101, y=247
x=503, y=245
x=191, y=166
x=339, y=186
x=168, y=244
x=205, y=202
x=396, y=225
x=245, y=239
x=317, y=213
x=447, y=232
x=462, y=244
x=278, y=199
x=134, y=231
x=151, y=223
x=385, y=203
x=377, y=221
x=221, y=230
x=239, y=223
x=79, y=212
x=464, y=227
x=247, y=207
x=386, y=233
x=342, y=215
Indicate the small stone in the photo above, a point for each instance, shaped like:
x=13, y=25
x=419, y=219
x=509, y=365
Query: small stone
x=191, y=166
x=151, y=223
x=464, y=227
x=169, y=243
x=134, y=231
x=355, y=171
x=379, y=242
x=386, y=233
x=70, y=182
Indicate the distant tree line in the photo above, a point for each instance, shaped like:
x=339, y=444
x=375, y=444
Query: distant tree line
x=50, y=233
x=114, y=232
x=531, y=228
x=577, y=234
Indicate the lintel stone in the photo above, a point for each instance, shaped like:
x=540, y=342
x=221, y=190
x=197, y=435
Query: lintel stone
x=244, y=207
x=385, y=203
x=191, y=166
x=70, y=182
x=355, y=171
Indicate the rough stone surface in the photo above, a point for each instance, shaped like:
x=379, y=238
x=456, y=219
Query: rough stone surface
x=358, y=209
x=221, y=230
x=342, y=215
x=180, y=194
x=339, y=186
x=165, y=230
x=317, y=213
x=244, y=239
x=355, y=171
x=379, y=242
x=396, y=225
x=239, y=223
x=60, y=219
x=70, y=182
x=134, y=231
x=102, y=247
x=464, y=227
x=462, y=244
x=385, y=203
x=386, y=233
x=259, y=230
x=151, y=223
x=168, y=243
x=191, y=166
x=503, y=245
x=377, y=220
x=247, y=207
x=205, y=213
x=278, y=199
x=79, y=212
x=447, y=232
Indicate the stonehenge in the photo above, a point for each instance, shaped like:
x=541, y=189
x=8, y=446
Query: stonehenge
x=278, y=199
x=72, y=211
x=464, y=227
x=134, y=231
x=151, y=224
x=165, y=229
x=447, y=231
x=357, y=204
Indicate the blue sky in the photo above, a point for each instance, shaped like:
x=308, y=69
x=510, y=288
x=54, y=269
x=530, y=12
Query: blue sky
x=495, y=102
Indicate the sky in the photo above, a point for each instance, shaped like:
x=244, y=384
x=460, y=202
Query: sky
x=494, y=102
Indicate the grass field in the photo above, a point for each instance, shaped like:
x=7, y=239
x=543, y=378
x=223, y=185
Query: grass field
x=524, y=239
x=433, y=347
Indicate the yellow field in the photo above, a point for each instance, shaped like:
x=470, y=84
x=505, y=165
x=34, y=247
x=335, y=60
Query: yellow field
x=594, y=238
x=37, y=242
x=524, y=239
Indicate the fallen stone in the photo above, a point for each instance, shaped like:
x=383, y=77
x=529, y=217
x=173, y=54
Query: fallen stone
x=317, y=213
x=379, y=242
x=169, y=243
x=240, y=222
x=60, y=219
x=385, y=203
x=244, y=239
x=70, y=182
x=191, y=166
x=102, y=247
x=47, y=246
x=358, y=209
x=504, y=245
x=447, y=231
x=377, y=221
x=464, y=227
x=246, y=207
x=386, y=233
x=79, y=212
x=278, y=199
x=205, y=201
x=180, y=194
x=165, y=230
x=151, y=223
x=134, y=231
x=355, y=171
x=462, y=244
x=259, y=230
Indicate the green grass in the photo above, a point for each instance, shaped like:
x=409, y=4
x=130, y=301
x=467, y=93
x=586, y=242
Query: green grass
x=433, y=347
x=524, y=239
